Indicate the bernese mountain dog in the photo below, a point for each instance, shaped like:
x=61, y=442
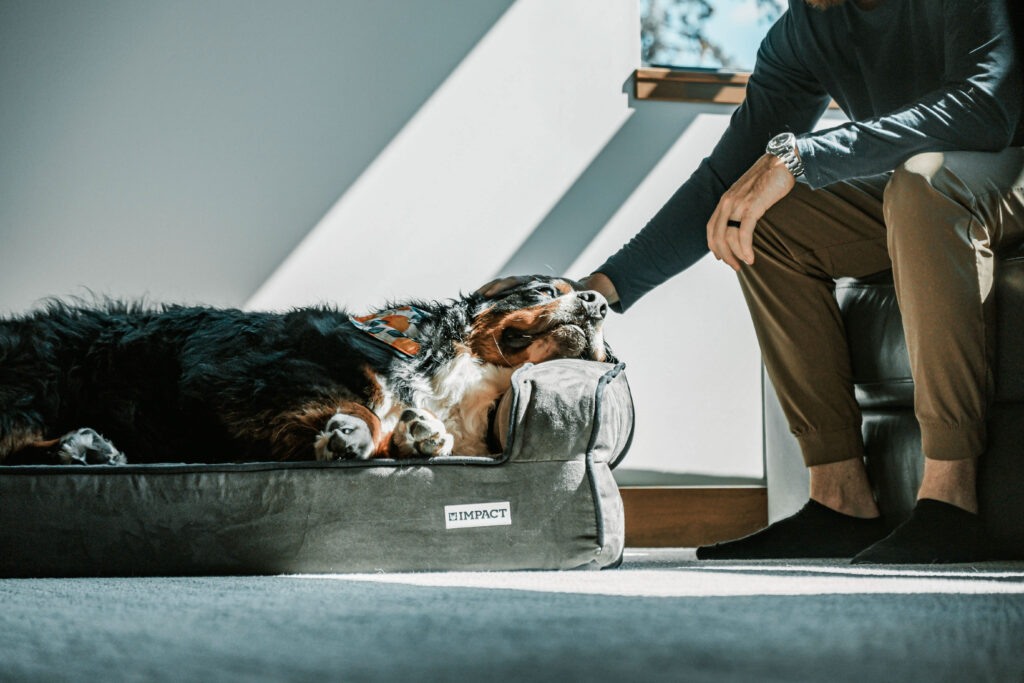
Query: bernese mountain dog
x=105, y=384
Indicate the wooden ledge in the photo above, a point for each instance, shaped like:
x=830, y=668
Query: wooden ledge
x=686, y=517
x=678, y=85
x=682, y=85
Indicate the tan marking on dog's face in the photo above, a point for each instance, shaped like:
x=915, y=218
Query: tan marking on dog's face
x=490, y=338
x=536, y=322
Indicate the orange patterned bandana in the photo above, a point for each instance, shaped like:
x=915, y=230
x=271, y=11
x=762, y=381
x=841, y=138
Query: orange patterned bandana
x=396, y=327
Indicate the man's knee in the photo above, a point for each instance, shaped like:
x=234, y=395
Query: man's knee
x=921, y=188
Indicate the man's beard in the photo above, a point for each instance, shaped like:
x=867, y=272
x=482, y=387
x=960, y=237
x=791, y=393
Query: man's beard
x=825, y=4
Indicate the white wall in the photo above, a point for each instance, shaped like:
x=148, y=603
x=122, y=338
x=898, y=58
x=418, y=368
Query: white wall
x=276, y=154
x=693, y=362
x=183, y=149
x=478, y=166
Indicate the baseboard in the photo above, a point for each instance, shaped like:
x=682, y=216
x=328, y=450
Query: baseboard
x=685, y=516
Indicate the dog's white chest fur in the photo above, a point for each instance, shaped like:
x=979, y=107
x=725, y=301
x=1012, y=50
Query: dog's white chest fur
x=460, y=395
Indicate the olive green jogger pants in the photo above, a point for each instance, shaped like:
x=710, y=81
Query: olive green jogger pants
x=937, y=221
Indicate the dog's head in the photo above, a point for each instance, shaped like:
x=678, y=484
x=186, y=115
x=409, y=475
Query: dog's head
x=541, y=320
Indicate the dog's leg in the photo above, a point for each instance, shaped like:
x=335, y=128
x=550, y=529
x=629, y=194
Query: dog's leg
x=87, y=447
x=420, y=434
x=80, y=447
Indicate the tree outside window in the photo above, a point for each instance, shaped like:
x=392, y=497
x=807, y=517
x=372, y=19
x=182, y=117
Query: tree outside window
x=715, y=34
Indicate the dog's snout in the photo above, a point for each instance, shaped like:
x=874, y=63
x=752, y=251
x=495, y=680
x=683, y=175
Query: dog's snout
x=594, y=303
x=336, y=443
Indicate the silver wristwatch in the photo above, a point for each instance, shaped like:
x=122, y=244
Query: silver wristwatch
x=783, y=146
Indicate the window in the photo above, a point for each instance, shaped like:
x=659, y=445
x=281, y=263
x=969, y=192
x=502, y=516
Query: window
x=714, y=34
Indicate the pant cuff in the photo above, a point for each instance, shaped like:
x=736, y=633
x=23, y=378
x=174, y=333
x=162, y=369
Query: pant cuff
x=941, y=441
x=823, y=447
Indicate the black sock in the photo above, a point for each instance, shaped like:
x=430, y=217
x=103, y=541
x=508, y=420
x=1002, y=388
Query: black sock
x=815, y=531
x=934, y=532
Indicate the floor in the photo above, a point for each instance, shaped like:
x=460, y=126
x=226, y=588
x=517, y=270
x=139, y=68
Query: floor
x=661, y=616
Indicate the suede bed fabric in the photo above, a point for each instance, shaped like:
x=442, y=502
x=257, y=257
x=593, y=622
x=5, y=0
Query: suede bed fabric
x=567, y=422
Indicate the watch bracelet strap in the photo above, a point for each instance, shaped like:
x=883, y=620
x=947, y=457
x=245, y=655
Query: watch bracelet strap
x=792, y=162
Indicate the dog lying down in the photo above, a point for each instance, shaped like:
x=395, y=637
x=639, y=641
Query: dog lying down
x=204, y=385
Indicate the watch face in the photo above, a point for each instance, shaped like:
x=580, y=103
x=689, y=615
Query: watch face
x=783, y=142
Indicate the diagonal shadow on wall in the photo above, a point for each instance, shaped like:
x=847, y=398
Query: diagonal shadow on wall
x=614, y=174
x=192, y=145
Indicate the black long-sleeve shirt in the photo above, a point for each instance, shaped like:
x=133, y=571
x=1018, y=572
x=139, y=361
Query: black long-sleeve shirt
x=912, y=76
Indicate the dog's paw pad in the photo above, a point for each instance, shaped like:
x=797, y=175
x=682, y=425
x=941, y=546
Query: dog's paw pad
x=419, y=434
x=87, y=447
x=345, y=437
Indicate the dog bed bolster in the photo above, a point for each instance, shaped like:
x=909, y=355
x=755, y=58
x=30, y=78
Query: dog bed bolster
x=549, y=502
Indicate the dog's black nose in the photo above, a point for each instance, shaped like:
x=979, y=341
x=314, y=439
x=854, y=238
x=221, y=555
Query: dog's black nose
x=341, y=448
x=594, y=303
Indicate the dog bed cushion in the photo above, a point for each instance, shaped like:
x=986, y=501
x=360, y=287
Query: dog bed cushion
x=549, y=502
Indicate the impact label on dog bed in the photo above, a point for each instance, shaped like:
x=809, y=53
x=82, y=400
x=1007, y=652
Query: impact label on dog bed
x=477, y=514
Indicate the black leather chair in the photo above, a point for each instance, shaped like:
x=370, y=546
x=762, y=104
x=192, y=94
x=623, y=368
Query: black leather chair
x=885, y=392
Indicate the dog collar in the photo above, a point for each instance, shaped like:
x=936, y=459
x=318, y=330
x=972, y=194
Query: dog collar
x=396, y=327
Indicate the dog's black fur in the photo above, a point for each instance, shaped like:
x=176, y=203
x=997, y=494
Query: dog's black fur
x=196, y=384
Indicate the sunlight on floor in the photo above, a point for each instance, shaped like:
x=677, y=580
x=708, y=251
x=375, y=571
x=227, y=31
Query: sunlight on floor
x=676, y=573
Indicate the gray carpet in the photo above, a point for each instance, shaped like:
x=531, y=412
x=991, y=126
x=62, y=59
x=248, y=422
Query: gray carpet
x=662, y=616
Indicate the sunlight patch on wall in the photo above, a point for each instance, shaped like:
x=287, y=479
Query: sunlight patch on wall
x=696, y=382
x=478, y=166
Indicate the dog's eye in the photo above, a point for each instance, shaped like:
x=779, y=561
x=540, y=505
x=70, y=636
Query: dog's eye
x=346, y=430
x=548, y=290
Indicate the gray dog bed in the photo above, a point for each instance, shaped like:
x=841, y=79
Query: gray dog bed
x=549, y=502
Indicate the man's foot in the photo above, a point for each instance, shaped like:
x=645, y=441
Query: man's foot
x=815, y=531
x=936, y=532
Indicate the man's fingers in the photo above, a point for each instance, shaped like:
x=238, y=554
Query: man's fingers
x=486, y=289
x=725, y=251
x=711, y=231
x=723, y=235
x=732, y=240
x=717, y=235
x=741, y=239
x=746, y=238
x=499, y=285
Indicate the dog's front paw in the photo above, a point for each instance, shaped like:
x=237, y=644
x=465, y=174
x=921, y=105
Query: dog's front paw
x=418, y=434
x=86, y=447
x=346, y=437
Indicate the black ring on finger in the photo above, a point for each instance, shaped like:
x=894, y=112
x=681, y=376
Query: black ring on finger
x=732, y=224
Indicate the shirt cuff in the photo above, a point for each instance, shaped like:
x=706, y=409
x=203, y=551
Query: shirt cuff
x=812, y=167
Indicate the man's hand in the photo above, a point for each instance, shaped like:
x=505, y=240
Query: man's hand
x=745, y=202
x=598, y=282
x=499, y=285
